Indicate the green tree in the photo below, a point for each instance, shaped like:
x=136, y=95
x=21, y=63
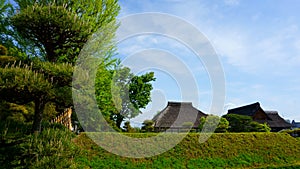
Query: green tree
x=5, y=8
x=39, y=83
x=241, y=123
x=238, y=123
x=222, y=126
x=9, y=37
x=59, y=29
x=211, y=121
x=113, y=90
x=53, y=29
x=140, y=89
x=127, y=127
x=148, y=126
x=130, y=93
x=201, y=124
x=70, y=22
x=97, y=12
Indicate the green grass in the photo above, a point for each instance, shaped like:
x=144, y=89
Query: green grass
x=240, y=150
x=57, y=147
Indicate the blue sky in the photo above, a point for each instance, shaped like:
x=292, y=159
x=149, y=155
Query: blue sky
x=258, y=44
x=257, y=41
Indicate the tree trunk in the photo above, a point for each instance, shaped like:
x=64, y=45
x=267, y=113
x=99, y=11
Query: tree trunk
x=119, y=120
x=38, y=115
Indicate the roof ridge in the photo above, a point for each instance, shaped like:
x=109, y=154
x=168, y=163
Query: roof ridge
x=271, y=112
x=171, y=103
x=249, y=105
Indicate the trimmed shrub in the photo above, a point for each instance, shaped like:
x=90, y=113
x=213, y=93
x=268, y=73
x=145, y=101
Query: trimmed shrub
x=3, y=50
x=148, y=126
x=4, y=60
x=294, y=132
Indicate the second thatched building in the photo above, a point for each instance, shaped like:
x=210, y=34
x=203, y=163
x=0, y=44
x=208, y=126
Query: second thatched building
x=176, y=116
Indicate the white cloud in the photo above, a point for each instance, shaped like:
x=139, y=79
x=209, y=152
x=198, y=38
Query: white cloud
x=276, y=52
x=252, y=42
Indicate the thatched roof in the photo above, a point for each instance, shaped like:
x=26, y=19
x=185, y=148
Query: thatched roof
x=277, y=121
x=177, y=113
x=248, y=110
x=273, y=119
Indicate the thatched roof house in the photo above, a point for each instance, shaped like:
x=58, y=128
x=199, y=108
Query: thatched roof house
x=272, y=118
x=176, y=114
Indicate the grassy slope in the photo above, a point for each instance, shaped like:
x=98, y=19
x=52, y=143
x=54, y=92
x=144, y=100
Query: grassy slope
x=243, y=150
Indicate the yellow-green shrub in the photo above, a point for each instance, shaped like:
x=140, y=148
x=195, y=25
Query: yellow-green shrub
x=3, y=50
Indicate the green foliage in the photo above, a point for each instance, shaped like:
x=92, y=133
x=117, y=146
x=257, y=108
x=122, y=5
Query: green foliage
x=257, y=127
x=17, y=52
x=12, y=130
x=241, y=123
x=148, y=126
x=15, y=112
x=127, y=127
x=55, y=148
x=138, y=130
x=41, y=82
x=52, y=148
x=118, y=93
x=3, y=50
x=50, y=111
x=212, y=121
x=97, y=13
x=54, y=29
x=130, y=93
x=4, y=60
x=9, y=37
x=5, y=8
x=140, y=89
x=293, y=132
x=222, y=126
x=22, y=84
x=201, y=124
x=59, y=29
x=238, y=123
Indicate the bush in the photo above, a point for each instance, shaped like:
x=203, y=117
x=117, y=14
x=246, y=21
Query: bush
x=213, y=121
x=4, y=60
x=242, y=123
x=148, y=126
x=127, y=127
x=52, y=148
x=294, y=132
x=3, y=50
x=257, y=127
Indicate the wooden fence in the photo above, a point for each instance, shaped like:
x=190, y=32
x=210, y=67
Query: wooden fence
x=64, y=118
